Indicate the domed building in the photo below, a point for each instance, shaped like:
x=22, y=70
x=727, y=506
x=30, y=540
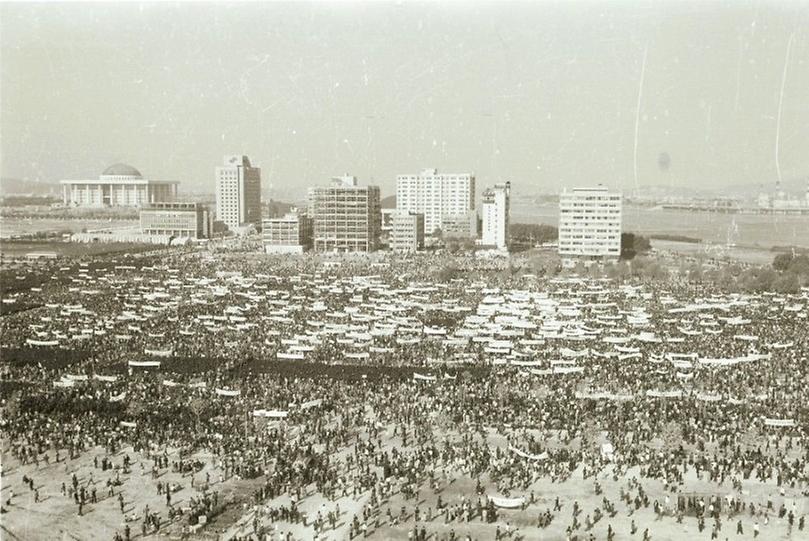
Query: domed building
x=119, y=185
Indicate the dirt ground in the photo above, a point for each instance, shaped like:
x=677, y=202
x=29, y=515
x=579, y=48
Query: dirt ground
x=55, y=516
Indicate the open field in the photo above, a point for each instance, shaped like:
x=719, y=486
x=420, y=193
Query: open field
x=70, y=249
x=753, y=256
x=12, y=226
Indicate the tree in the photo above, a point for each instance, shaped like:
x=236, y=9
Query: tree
x=633, y=244
x=628, y=246
x=782, y=262
x=446, y=273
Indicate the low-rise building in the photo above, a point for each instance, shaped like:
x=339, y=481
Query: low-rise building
x=460, y=225
x=407, y=233
x=188, y=220
x=290, y=234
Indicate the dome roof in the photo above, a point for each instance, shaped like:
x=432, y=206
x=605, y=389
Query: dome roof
x=121, y=170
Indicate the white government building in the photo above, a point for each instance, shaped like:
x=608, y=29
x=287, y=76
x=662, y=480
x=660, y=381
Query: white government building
x=495, y=208
x=435, y=195
x=120, y=185
x=238, y=192
x=590, y=223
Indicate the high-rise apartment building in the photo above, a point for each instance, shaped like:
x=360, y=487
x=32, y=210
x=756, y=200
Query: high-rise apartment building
x=495, y=208
x=407, y=234
x=590, y=223
x=238, y=192
x=435, y=195
x=347, y=217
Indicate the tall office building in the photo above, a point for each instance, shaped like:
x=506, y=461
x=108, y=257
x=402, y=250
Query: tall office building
x=435, y=195
x=590, y=223
x=495, y=208
x=238, y=192
x=347, y=217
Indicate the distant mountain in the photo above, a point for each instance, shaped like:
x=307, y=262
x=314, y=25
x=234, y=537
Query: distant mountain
x=388, y=202
x=16, y=186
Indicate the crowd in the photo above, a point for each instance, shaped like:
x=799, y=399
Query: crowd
x=667, y=398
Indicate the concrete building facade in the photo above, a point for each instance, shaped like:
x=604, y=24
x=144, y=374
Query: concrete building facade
x=238, y=192
x=590, y=223
x=435, y=195
x=191, y=220
x=347, y=217
x=460, y=225
x=407, y=234
x=120, y=185
x=495, y=209
x=290, y=234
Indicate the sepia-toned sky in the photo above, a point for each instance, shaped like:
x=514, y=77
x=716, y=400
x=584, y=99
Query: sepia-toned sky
x=543, y=94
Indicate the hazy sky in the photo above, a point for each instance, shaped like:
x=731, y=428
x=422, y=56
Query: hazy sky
x=542, y=94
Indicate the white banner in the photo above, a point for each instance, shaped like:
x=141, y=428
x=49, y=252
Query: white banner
x=604, y=396
x=507, y=503
x=529, y=456
x=50, y=343
x=664, y=394
x=273, y=414
x=311, y=404
x=779, y=422
x=420, y=377
x=227, y=392
x=568, y=369
x=108, y=379
x=158, y=352
x=572, y=354
x=145, y=364
x=515, y=362
x=118, y=398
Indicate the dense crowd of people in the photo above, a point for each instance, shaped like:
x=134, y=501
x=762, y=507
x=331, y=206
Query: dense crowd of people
x=486, y=374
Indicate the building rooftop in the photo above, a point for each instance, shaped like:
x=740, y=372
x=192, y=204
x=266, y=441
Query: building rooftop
x=121, y=170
